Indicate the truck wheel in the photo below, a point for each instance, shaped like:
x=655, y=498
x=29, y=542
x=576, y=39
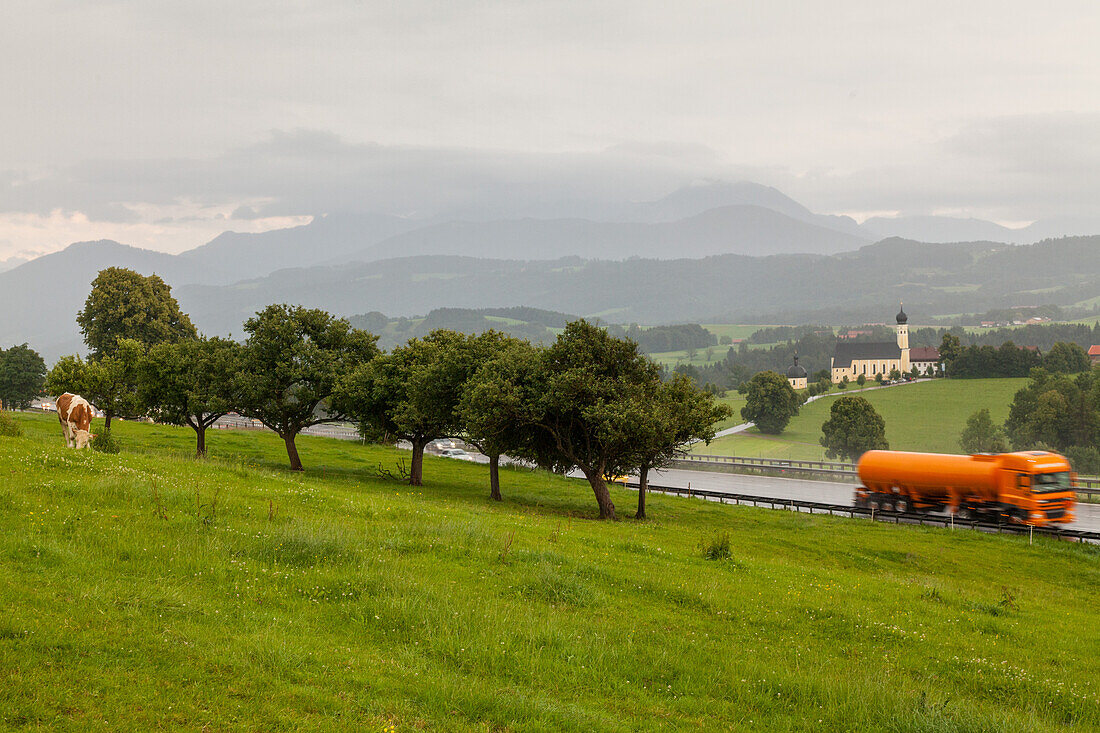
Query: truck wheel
x=965, y=514
x=902, y=506
x=888, y=505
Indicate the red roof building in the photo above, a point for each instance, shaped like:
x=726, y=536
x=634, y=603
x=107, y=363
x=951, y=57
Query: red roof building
x=1094, y=354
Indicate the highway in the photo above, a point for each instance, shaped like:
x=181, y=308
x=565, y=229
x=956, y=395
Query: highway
x=830, y=492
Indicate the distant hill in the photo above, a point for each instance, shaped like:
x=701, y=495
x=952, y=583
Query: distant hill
x=932, y=279
x=39, y=300
x=952, y=229
x=739, y=229
x=238, y=256
x=11, y=263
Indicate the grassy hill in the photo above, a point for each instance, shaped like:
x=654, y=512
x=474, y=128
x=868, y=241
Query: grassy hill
x=924, y=416
x=148, y=590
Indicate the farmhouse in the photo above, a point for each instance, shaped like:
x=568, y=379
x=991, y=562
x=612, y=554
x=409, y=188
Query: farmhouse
x=853, y=358
x=1094, y=354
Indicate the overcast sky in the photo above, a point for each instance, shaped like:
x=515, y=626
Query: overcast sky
x=161, y=124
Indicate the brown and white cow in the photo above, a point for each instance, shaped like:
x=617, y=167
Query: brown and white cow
x=75, y=415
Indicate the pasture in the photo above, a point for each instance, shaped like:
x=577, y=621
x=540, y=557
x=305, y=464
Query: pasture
x=923, y=416
x=149, y=590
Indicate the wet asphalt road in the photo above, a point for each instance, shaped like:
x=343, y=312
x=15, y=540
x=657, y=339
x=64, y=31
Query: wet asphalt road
x=829, y=492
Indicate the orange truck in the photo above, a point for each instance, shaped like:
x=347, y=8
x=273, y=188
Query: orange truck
x=1030, y=487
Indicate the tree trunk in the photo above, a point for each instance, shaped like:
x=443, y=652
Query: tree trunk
x=292, y=452
x=200, y=441
x=107, y=415
x=643, y=484
x=416, y=470
x=494, y=477
x=603, y=496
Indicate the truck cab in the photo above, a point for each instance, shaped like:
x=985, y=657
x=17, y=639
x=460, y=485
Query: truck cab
x=1037, y=487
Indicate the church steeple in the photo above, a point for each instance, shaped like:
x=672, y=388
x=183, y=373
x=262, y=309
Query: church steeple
x=903, y=337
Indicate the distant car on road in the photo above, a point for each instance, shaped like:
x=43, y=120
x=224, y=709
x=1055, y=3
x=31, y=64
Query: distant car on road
x=456, y=453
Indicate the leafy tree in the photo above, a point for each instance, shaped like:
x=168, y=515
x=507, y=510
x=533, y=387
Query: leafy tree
x=949, y=351
x=770, y=402
x=1056, y=410
x=667, y=419
x=1064, y=358
x=895, y=375
x=190, y=383
x=110, y=383
x=861, y=380
x=914, y=372
x=412, y=392
x=126, y=305
x=581, y=405
x=290, y=365
x=843, y=383
x=853, y=428
x=22, y=374
x=489, y=413
x=981, y=435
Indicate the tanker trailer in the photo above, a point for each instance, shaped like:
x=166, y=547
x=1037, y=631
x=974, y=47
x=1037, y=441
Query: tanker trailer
x=1030, y=487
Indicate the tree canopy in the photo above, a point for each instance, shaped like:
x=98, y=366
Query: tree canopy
x=581, y=402
x=290, y=365
x=1056, y=411
x=670, y=417
x=853, y=428
x=982, y=435
x=412, y=392
x=124, y=304
x=190, y=383
x=22, y=375
x=770, y=402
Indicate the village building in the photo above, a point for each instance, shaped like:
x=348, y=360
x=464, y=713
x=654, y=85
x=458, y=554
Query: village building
x=1094, y=354
x=796, y=375
x=853, y=358
x=925, y=358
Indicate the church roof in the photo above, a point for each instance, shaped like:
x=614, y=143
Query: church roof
x=847, y=352
x=795, y=371
x=902, y=318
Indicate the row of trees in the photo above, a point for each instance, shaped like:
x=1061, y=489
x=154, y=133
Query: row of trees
x=1054, y=411
x=1009, y=360
x=588, y=401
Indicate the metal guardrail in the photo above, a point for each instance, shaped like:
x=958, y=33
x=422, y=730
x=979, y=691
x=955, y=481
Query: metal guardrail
x=237, y=422
x=854, y=511
x=1088, y=485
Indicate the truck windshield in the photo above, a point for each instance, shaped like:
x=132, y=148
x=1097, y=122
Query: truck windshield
x=1048, y=483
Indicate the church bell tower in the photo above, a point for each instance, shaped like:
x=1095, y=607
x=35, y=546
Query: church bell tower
x=903, y=339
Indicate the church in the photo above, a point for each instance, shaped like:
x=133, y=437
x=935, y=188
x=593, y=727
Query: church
x=852, y=359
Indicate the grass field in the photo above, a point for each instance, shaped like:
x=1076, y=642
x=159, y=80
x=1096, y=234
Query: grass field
x=925, y=416
x=148, y=590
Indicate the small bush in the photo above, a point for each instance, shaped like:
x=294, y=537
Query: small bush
x=717, y=547
x=105, y=443
x=9, y=428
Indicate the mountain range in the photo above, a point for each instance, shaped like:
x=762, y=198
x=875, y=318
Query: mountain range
x=728, y=250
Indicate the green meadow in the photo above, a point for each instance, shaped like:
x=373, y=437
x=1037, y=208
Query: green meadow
x=148, y=590
x=922, y=416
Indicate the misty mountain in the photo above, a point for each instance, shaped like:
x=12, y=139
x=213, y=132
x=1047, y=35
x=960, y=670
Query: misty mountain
x=11, y=263
x=943, y=229
x=39, y=300
x=932, y=279
x=237, y=256
x=740, y=229
x=692, y=200
x=952, y=229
